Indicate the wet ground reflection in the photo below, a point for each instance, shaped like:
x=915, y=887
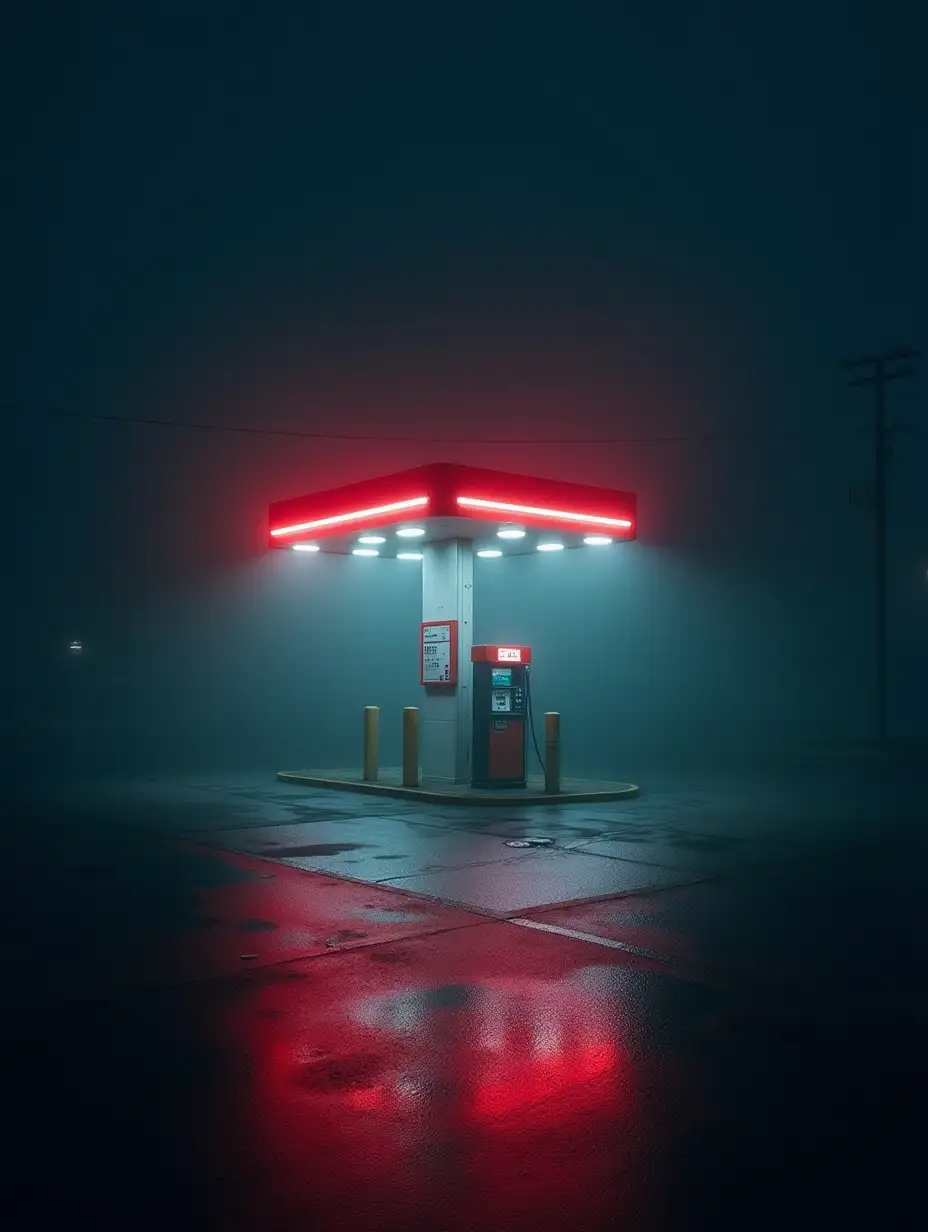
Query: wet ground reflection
x=515, y=1090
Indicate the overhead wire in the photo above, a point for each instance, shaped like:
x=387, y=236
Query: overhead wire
x=717, y=437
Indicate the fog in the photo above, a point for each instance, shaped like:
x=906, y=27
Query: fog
x=652, y=247
x=739, y=622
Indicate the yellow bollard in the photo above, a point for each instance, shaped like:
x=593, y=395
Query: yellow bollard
x=371, y=743
x=410, y=746
x=552, y=752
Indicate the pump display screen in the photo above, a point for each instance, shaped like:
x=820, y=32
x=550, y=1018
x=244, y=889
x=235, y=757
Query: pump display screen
x=501, y=701
x=502, y=677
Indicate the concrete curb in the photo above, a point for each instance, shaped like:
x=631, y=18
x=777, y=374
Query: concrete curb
x=430, y=795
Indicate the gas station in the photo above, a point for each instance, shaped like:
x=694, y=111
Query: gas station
x=473, y=732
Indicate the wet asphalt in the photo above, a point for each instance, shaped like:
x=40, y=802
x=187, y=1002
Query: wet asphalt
x=234, y=1003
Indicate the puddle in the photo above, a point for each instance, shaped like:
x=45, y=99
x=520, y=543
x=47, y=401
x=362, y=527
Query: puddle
x=312, y=849
x=351, y=1072
x=390, y=915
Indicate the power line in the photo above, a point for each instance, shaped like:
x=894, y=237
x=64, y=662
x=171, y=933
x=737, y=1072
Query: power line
x=662, y=438
x=879, y=372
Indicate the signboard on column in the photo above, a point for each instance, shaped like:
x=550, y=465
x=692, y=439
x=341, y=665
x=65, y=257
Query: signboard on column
x=438, y=652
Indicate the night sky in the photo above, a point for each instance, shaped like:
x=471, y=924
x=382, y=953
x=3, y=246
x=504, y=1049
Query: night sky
x=628, y=221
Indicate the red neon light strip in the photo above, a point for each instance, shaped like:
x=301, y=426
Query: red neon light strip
x=586, y=519
x=359, y=515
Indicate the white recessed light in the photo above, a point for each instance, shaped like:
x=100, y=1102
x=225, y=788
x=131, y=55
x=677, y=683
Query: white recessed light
x=489, y=553
x=409, y=556
x=510, y=532
x=597, y=541
x=411, y=532
x=364, y=552
x=372, y=539
x=550, y=547
x=305, y=547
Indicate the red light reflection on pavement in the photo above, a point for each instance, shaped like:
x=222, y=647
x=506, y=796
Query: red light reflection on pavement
x=265, y=914
x=539, y=1040
x=418, y=1092
x=542, y=1078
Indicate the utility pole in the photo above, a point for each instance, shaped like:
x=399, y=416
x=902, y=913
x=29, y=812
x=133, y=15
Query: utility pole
x=878, y=371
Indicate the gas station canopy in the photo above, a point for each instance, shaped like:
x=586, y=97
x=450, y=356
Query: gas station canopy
x=393, y=515
x=473, y=710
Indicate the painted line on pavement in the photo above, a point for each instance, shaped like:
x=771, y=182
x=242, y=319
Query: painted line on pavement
x=593, y=940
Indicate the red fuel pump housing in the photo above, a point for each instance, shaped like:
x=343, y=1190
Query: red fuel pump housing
x=500, y=701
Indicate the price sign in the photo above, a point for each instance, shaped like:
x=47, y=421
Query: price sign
x=439, y=657
x=432, y=635
x=509, y=654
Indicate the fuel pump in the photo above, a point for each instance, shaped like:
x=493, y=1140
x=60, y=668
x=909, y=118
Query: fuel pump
x=500, y=701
